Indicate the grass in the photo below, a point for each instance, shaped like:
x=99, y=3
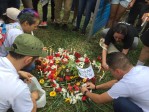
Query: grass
x=68, y=39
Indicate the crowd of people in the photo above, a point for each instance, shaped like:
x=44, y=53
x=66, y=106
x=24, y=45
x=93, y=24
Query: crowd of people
x=19, y=49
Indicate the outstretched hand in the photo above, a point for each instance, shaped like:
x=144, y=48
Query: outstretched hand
x=90, y=85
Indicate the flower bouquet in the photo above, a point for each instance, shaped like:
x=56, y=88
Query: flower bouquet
x=65, y=72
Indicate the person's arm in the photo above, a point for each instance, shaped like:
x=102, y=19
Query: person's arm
x=25, y=75
x=97, y=98
x=104, y=56
x=125, y=51
x=34, y=96
x=145, y=17
x=106, y=85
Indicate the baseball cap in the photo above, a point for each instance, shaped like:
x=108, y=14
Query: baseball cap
x=12, y=13
x=28, y=45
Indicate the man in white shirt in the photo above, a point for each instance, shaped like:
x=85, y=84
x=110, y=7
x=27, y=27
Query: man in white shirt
x=14, y=93
x=131, y=89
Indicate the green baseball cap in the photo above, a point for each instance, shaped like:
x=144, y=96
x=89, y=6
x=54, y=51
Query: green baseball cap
x=28, y=45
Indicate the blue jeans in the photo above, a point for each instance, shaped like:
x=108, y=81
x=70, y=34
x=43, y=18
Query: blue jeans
x=125, y=105
x=89, y=5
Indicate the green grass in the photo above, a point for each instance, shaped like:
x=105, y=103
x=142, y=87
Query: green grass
x=68, y=39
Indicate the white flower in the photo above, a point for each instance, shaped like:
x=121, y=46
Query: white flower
x=60, y=50
x=53, y=66
x=57, y=58
x=71, y=57
x=64, y=90
x=81, y=59
x=85, y=55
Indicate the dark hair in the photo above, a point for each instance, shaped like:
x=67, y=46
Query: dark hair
x=28, y=15
x=19, y=56
x=121, y=28
x=117, y=60
x=16, y=55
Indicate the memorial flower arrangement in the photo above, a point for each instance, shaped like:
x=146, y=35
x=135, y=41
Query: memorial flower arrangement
x=64, y=72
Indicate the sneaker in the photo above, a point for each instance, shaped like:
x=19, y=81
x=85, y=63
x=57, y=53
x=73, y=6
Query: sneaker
x=44, y=23
x=65, y=27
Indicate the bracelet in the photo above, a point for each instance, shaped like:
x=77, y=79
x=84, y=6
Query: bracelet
x=85, y=93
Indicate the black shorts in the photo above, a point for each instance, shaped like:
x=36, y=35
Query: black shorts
x=145, y=38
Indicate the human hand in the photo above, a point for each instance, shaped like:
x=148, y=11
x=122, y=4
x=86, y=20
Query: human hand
x=35, y=95
x=25, y=75
x=90, y=85
x=145, y=17
x=83, y=89
x=105, y=66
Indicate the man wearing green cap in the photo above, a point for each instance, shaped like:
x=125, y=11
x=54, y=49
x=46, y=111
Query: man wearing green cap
x=14, y=93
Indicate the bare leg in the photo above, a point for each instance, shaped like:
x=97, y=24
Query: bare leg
x=27, y=3
x=120, y=11
x=144, y=55
x=114, y=8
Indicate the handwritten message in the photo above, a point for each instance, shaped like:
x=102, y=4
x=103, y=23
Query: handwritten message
x=86, y=72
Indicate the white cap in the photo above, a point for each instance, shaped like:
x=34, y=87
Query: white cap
x=12, y=13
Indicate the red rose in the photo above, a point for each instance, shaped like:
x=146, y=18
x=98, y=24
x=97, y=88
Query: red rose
x=67, y=78
x=84, y=98
x=59, y=89
x=61, y=79
x=76, y=88
x=50, y=57
x=77, y=55
x=53, y=85
x=70, y=87
x=77, y=61
x=87, y=60
x=99, y=58
x=57, y=55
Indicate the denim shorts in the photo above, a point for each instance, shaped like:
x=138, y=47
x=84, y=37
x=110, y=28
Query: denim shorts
x=123, y=3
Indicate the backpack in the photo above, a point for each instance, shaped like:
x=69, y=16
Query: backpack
x=2, y=33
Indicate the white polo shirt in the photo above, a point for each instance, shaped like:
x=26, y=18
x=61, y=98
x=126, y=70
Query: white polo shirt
x=135, y=86
x=14, y=93
x=13, y=30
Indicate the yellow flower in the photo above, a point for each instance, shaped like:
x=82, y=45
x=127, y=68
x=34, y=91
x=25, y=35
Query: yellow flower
x=71, y=77
x=78, y=83
x=55, y=75
x=84, y=80
x=67, y=100
x=41, y=81
x=56, y=61
x=52, y=93
x=63, y=66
